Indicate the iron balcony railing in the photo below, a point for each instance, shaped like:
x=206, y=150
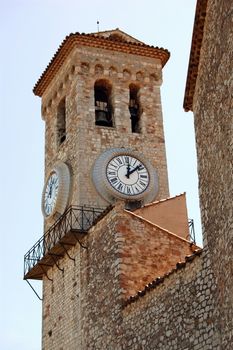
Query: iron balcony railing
x=76, y=219
x=191, y=231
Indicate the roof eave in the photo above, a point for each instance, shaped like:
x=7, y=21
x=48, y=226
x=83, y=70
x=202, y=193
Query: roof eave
x=194, y=58
x=75, y=40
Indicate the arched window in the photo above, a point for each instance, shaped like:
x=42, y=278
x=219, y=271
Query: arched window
x=61, y=121
x=134, y=107
x=103, y=106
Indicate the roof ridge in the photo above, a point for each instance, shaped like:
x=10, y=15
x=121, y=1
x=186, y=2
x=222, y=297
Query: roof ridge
x=155, y=225
x=159, y=280
x=161, y=201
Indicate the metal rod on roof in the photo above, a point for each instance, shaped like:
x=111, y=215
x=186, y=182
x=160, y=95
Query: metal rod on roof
x=98, y=28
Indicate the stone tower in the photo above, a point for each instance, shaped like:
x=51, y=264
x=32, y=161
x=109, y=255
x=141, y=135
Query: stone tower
x=104, y=151
x=93, y=74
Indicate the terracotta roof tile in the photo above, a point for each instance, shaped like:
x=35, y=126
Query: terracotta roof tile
x=198, y=30
x=160, y=280
x=110, y=43
x=161, y=201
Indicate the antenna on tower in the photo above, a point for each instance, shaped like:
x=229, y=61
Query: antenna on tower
x=98, y=28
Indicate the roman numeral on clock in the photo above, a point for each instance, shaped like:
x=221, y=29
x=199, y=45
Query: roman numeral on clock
x=114, y=180
x=128, y=190
x=120, y=187
x=112, y=173
x=143, y=176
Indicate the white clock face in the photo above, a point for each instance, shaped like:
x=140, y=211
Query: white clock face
x=127, y=175
x=50, y=194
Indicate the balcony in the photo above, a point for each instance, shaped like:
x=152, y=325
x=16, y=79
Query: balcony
x=61, y=236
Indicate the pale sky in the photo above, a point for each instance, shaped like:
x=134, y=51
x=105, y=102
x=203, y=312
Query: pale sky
x=31, y=31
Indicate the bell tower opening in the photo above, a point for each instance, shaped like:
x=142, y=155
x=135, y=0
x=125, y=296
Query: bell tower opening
x=134, y=107
x=103, y=105
x=61, y=121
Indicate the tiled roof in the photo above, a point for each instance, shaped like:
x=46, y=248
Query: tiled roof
x=161, y=201
x=113, y=43
x=198, y=30
x=152, y=224
x=156, y=282
x=119, y=35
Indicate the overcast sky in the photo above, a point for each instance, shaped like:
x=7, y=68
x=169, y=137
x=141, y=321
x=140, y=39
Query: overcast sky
x=31, y=31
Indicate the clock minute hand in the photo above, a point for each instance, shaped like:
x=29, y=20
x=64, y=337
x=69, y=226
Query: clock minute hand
x=138, y=167
x=128, y=170
x=50, y=190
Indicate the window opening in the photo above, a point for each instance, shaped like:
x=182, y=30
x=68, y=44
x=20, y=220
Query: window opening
x=134, y=108
x=61, y=121
x=103, y=107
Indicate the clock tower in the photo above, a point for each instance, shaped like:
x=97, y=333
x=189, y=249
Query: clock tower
x=101, y=92
x=104, y=153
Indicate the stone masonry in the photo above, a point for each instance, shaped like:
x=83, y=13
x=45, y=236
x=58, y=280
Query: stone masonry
x=213, y=112
x=86, y=306
x=86, y=141
x=134, y=284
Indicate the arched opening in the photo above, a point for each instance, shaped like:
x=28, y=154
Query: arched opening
x=61, y=121
x=134, y=107
x=103, y=106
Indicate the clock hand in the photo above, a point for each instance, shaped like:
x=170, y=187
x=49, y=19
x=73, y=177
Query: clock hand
x=138, y=167
x=50, y=191
x=128, y=169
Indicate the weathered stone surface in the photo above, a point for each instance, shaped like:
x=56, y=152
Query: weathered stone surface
x=85, y=141
x=86, y=307
x=213, y=110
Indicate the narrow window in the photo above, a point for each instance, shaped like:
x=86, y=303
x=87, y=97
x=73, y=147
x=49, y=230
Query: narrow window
x=61, y=121
x=134, y=108
x=103, y=106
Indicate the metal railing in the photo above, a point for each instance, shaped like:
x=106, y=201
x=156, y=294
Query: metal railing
x=76, y=219
x=192, y=231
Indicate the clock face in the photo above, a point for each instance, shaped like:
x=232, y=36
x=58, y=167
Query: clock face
x=56, y=191
x=127, y=175
x=51, y=193
x=121, y=173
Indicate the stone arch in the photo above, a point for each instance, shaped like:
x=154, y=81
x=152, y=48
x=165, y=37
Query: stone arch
x=85, y=67
x=61, y=121
x=139, y=76
x=135, y=108
x=127, y=74
x=103, y=103
x=99, y=69
x=112, y=71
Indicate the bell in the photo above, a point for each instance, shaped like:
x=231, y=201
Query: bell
x=101, y=118
x=133, y=112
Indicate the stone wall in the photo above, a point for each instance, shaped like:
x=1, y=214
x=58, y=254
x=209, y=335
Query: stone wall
x=146, y=251
x=191, y=307
x=177, y=314
x=82, y=306
x=213, y=112
x=61, y=305
x=85, y=141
